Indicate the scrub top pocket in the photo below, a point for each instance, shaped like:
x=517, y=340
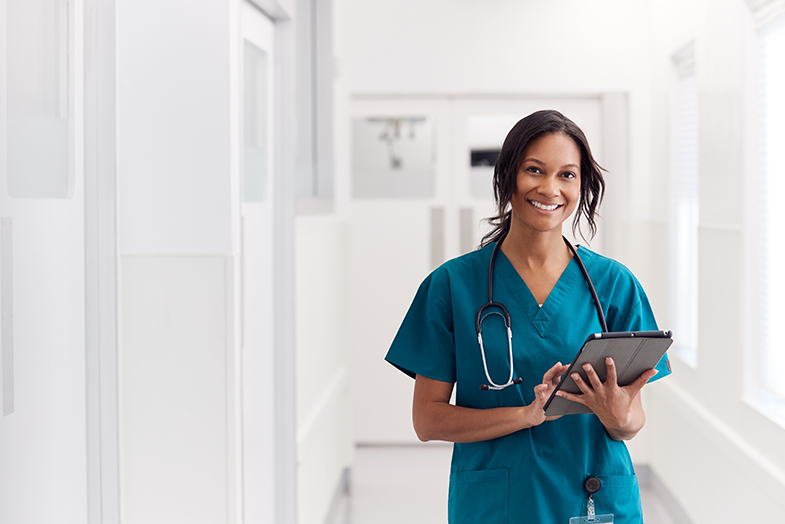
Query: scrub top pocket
x=619, y=495
x=479, y=496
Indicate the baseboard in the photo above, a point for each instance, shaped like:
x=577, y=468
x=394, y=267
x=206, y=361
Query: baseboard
x=339, y=507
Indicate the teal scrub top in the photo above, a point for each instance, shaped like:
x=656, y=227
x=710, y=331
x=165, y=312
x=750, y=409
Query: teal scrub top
x=536, y=474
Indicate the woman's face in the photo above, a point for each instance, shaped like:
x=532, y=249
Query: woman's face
x=548, y=183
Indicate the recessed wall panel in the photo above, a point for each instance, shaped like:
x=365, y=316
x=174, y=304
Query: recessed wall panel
x=173, y=389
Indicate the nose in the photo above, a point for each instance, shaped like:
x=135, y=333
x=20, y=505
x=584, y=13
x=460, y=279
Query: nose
x=549, y=187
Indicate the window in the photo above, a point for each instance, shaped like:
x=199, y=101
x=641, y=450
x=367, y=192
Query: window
x=770, y=292
x=684, y=207
x=256, y=123
x=314, y=97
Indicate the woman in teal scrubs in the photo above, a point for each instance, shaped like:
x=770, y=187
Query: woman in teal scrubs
x=510, y=463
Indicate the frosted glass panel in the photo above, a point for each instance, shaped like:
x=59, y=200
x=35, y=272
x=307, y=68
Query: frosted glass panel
x=37, y=103
x=392, y=157
x=256, y=122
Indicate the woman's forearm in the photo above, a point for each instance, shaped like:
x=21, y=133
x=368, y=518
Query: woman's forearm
x=444, y=421
x=436, y=419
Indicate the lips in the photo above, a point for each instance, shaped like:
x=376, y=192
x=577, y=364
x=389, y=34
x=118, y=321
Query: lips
x=544, y=207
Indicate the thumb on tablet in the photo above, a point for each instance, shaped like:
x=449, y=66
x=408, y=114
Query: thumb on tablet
x=641, y=381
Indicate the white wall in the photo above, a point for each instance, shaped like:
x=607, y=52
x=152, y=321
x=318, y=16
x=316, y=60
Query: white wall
x=173, y=127
x=176, y=283
x=324, y=430
x=44, y=446
x=707, y=441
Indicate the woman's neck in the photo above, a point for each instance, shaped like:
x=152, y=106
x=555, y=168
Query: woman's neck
x=534, y=249
x=539, y=258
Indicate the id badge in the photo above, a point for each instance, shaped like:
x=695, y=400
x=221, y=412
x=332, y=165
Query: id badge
x=596, y=519
x=591, y=518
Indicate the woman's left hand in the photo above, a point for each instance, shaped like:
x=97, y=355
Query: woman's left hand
x=619, y=408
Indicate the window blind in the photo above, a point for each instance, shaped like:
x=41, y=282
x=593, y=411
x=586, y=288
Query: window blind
x=770, y=190
x=684, y=212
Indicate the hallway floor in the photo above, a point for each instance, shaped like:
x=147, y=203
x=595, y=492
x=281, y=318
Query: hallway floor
x=408, y=485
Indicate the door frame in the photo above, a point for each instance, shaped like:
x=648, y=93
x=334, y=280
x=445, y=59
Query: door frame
x=254, y=346
x=100, y=174
x=284, y=196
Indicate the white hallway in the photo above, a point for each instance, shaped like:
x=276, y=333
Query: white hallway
x=205, y=256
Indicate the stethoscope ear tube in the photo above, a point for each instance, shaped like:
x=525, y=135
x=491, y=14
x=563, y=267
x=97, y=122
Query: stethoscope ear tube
x=480, y=317
x=586, y=276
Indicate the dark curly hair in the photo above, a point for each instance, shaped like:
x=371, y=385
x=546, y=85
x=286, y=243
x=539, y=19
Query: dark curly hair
x=505, y=173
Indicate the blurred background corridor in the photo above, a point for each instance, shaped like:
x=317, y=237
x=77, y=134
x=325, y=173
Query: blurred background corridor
x=215, y=213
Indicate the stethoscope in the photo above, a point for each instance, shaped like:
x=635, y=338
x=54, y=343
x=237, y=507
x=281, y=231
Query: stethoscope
x=506, y=315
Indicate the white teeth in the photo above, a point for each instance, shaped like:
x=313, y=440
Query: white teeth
x=543, y=206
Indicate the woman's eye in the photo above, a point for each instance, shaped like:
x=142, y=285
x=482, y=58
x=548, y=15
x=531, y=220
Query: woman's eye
x=533, y=169
x=568, y=174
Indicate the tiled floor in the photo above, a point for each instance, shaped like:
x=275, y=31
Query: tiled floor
x=408, y=485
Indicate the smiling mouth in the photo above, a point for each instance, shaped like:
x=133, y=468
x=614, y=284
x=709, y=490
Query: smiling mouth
x=544, y=207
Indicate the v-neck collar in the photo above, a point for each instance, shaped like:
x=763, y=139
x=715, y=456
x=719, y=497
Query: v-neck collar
x=540, y=316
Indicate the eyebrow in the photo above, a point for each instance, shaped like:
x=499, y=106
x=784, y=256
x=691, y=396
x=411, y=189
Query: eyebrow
x=543, y=163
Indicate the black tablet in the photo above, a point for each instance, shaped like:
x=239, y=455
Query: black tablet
x=633, y=352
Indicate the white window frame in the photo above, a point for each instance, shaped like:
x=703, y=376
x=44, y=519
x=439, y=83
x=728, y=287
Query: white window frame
x=684, y=206
x=760, y=364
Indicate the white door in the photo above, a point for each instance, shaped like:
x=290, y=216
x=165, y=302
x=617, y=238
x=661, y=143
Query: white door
x=256, y=271
x=43, y=423
x=416, y=203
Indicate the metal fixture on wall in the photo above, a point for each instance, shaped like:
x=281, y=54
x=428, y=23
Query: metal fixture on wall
x=393, y=157
x=391, y=134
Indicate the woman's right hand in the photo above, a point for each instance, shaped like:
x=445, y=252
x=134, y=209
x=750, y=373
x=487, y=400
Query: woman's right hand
x=436, y=419
x=542, y=392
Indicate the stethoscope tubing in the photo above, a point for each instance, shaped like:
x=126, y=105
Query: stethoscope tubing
x=506, y=315
x=598, y=305
x=493, y=385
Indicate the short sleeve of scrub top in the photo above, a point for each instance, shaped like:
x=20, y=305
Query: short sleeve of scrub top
x=425, y=343
x=538, y=471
